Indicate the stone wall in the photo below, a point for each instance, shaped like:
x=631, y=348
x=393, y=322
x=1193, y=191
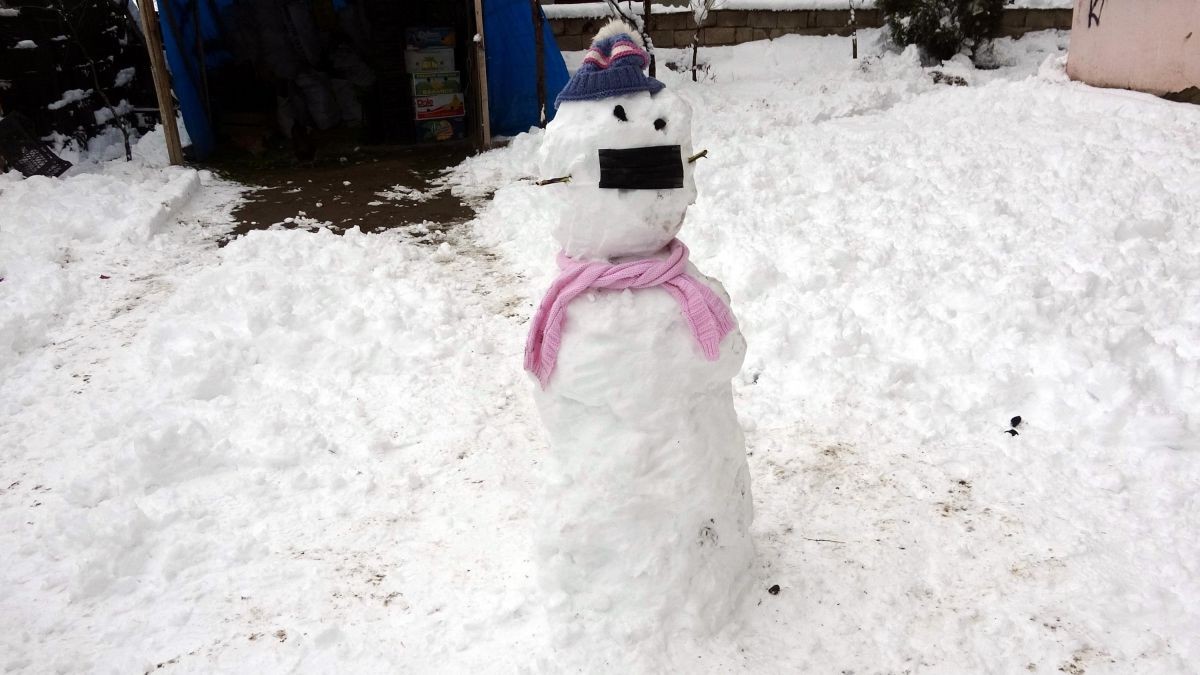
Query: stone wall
x=730, y=27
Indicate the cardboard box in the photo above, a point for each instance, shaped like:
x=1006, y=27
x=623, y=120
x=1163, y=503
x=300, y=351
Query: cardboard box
x=450, y=128
x=431, y=60
x=436, y=83
x=438, y=106
x=424, y=38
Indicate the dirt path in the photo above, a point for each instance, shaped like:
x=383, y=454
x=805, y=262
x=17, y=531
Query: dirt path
x=372, y=188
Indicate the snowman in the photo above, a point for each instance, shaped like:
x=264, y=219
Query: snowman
x=643, y=531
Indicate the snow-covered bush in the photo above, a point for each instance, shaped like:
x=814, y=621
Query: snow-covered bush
x=943, y=28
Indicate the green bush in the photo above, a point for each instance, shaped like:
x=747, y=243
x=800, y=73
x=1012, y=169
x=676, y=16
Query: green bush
x=942, y=28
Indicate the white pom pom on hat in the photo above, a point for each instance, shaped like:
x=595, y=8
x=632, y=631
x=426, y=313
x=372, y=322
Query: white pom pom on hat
x=612, y=67
x=617, y=27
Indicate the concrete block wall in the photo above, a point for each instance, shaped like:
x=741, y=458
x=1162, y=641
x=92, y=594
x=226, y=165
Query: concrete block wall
x=1020, y=21
x=730, y=27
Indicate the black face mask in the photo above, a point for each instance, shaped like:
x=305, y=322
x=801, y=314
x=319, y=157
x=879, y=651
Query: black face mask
x=658, y=167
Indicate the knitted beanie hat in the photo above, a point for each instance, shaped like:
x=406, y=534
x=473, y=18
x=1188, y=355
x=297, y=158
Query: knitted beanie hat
x=612, y=67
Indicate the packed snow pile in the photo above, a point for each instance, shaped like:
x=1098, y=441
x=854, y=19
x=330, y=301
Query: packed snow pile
x=51, y=229
x=905, y=235
x=295, y=423
x=310, y=453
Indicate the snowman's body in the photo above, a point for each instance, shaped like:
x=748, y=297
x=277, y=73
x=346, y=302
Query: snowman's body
x=644, y=522
x=643, y=528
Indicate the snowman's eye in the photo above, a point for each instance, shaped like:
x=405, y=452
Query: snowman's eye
x=660, y=124
x=619, y=113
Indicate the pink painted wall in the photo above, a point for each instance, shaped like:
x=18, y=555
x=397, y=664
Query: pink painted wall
x=1148, y=45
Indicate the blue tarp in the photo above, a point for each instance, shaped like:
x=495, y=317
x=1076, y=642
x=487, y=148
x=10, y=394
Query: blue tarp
x=511, y=61
x=182, y=22
x=512, y=66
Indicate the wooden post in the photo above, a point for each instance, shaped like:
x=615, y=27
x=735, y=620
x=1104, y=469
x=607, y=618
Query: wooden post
x=485, y=123
x=162, y=81
x=647, y=8
x=540, y=55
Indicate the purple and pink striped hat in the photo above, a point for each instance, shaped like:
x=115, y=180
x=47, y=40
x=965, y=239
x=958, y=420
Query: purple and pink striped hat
x=612, y=67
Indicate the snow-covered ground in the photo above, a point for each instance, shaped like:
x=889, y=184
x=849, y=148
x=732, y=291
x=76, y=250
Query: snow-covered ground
x=311, y=453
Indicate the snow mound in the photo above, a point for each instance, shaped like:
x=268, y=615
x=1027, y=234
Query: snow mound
x=48, y=226
x=356, y=350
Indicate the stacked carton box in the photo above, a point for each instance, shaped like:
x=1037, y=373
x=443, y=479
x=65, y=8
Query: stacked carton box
x=438, y=99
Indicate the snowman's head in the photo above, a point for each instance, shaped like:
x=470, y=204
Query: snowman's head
x=624, y=141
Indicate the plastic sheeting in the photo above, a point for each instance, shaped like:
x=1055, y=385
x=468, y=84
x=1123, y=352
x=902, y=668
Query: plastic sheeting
x=189, y=29
x=512, y=66
x=197, y=32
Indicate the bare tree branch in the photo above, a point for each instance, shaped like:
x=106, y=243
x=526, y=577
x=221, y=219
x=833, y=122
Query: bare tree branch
x=700, y=10
x=631, y=17
x=119, y=118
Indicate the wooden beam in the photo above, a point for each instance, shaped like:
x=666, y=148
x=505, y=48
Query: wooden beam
x=540, y=56
x=162, y=80
x=485, y=123
x=647, y=12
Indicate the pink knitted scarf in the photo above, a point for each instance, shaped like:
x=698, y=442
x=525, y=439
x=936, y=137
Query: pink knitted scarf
x=706, y=314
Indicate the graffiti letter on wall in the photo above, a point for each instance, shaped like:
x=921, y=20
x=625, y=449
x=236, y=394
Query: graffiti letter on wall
x=1095, y=9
